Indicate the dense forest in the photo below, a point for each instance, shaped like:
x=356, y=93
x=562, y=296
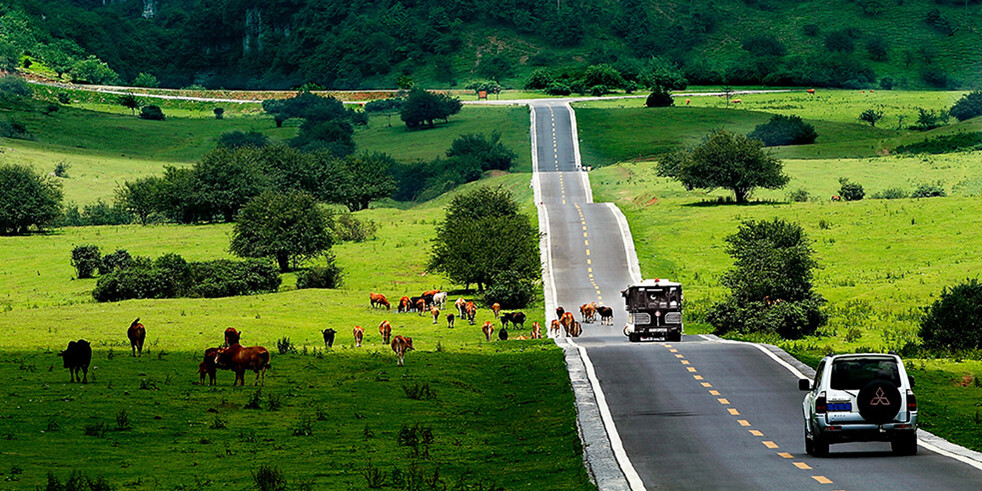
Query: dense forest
x=347, y=44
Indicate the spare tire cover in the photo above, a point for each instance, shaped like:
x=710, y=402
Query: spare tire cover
x=879, y=402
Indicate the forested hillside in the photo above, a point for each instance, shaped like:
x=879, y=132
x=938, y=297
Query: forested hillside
x=441, y=43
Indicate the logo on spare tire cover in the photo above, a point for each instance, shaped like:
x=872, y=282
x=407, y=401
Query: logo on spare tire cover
x=879, y=401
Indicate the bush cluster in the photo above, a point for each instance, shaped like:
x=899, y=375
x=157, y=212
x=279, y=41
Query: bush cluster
x=152, y=112
x=330, y=276
x=510, y=290
x=954, y=321
x=944, y=144
x=98, y=213
x=850, y=191
x=784, y=130
x=969, y=106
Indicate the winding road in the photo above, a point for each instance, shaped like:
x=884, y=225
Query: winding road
x=702, y=413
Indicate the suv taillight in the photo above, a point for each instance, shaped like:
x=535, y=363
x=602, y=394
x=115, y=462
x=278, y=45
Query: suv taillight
x=911, y=401
x=820, y=404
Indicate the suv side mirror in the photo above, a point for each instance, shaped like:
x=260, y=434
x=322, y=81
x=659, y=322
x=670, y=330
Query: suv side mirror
x=911, y=380
x=805, y=384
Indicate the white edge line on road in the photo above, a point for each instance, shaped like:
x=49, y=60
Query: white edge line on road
x=574, y=135
x=953, y=451
x=633, y=479
x=630, y=253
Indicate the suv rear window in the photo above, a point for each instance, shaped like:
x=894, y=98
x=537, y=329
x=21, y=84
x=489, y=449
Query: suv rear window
x=855, y=374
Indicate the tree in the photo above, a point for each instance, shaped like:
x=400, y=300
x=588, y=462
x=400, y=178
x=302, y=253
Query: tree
x=358, y=180
x=954, y=321
x=287, y=227
x=152, y=112
x=784, y=130
x=130, y=101
x=850, y=191
x=839, y=42
x=661, y=72
x=141, y=197
x=603, y=75
x=226, y=179
x=92, y=71
x=540, y=78
x=727, y=93
x=725, y=160
x=871, y=116
x=770, y=283
x=9, y=55
x=238, y=139
x=659, y=97
x=969, y=106
x=27, y=199
x=146, y=80
x=487, y=152
x=422, y=107
x=219, y=112
x=482, y=236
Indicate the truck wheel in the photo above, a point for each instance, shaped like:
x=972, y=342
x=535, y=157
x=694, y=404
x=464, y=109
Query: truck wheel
x=905, y=444
x=633, y=337
x=674, y=336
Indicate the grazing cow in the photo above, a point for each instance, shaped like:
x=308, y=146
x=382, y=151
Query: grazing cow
x=137, y=333
x=503, y=334
x=736, y=101
x=414, y=303
x=554, y=328
x=810, y=91
x=461, y=304
x=238, y=359
x=836, y=197
x=440, y=299
x=488, y=330
x=516, y=319
x=400, y=345
x=208, y=367
x=404, y=305
x=575, y=330
x=359, y=335
x=560, y=311
x=536, y=330
x=450, y=319
x=232, y=336
x=430, y=293
x=77, y=357
x=385, y=329
x=436, y=313
x=588, y=311
x=471, y=310
x=606, y=315
x=378, y=300
x=329, y=337
x=567, y=321
x=496, y=308
x=421, y=306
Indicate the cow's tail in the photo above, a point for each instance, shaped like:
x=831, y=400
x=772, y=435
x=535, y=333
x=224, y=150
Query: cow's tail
x=265, y=359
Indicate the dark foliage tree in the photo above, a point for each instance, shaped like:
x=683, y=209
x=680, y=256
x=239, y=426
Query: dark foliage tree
x=483, y=235
x=510, y=291
x=86, y=259
x=540, y=78
x=423, y=107
x=219, y=112
x=487, y=152
x=770, y=283
x=141, y=197
x=357, y=180
x=226, y=179
x=784, y=130
x=131, y=102
x=238, y=139
x=839, y=42
x=878, y=48
x=288, y=227
x=659, y=97
x=152, y=112
x=602, y=75
x=969, y=106
x=27, y=199
x=850, y=191
x=764, y=45
x=954, y=321
x=871, y=116
x=725, y=160
x=180, y=199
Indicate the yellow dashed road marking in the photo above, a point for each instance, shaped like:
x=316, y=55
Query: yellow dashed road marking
x=724, y=401
x=822, y=479
x=803, y=466
x=786, y=455
x=685, y=362
x=693, y=369
x=743, y=422
x=733, y=412
x=769, y=444
x=707, y=384
x=756, y=433
x=697, y=377
x=588, y=252
x=714, y=392
x=673, y=350
x=680, y=356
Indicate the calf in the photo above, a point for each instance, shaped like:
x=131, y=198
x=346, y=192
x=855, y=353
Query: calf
x=471, y=312
x=137, y=334
x=450, y=319
x=359, y=335
x=554, y=328
x=606, y=315
x=440, y=299
x=516, y=319
x=400, y=345
x=488, y=329
x=77, y=357
x=378, y=300
x=567, y=321
x=385, y=329
x=461, y=305
x=419, y=304
x=328, y=337
x=238, y=359
x=436, y=313
x=536, y=330
x=404, y=305
x=208, y=366
x=232, y=336
x=503, y=334
x=496, y=308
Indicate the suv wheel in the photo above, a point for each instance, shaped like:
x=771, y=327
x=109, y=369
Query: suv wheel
x=905, y=444
x=809, y=445
x=820, y=446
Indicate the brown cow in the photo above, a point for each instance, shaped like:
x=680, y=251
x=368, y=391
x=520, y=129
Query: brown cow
x=461, y=304
x=400, y=345
x=403, y=305
x=536, y=330
x=496, y=308
x=430, y=293
x=421, y=305
x=606, y=315
x=377, y=300
x=208, y=367
x=560, y=311
x=137, y=334
x=385, y=329
x=436, y=313
x=567, y=321
x=575, y=330
x=588, y=311
x=488, y=329
x=554, y=327
x=238, y=359
x=232, y=336
x=359, y=335
x=450, y=319
x=471, y=311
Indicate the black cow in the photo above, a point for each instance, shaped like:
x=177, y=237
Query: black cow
x=503, y=334
x=329, y=337
x=606, y=315
x=516, y=319
x=77, y=357
x=414, y=301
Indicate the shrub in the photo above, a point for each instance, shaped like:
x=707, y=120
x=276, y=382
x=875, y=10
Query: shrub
x=15, y=129
x=64, y=98
x=799, y=196
x=348, y=228
x=219, y=112
x=969, y=106
x=954, y=321
x=152, y=112
x=871, y=116
x=120, y=259
x=944, y=144
x=86, y=260
x=540, y=78
x=839, y=42
x=170, y=276
x=850, y=191
x=659, y=97
x=887, y=83
x=784, y=130
x=14, y=86
x=558, y=88
x=811, y=30
x=284, y=346
x=392, y=105
x=238, y=139
x=330, y=276
x=938, y=79
x=937, y=21
x=146, y=80
x=510, y=290
x=890, y=193
x=878, y=48
x=928, y=190
x=930, y=119
x=225, y=278
x=269, y=478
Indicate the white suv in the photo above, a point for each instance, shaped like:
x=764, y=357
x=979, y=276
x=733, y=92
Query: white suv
x=860, y=398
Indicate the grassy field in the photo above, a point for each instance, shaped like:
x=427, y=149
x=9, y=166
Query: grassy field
x=501, y=413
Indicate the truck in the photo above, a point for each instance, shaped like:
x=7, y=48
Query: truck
x=654, y=310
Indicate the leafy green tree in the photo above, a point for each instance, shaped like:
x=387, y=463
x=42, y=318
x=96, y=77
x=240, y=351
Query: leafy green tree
x=487, y=151
x=871, y=116
x=287, y=227
x=483, y=235
x=764, y=45
x=602, y=74
x=226, y=179
x=784, y=130
x=659, y=97
x=180, y=199
x=152, y=112
x=540, y=78
x=660, y=72
x=954, y=321
x=27, y=199
x=839, y=42
x=487, y=86
x=238, y=139
x=146, y=80
x=219, y=112
x=60, y=55
x=92, y=71
x=9, y=55
x=725, y=160
x=86, y=259
x=850, y=191
x=878, y=48
x=770, y=283
x=969, y=106
x=358, y=180
x=141, y=197
x=130, y=101
x=423, y=107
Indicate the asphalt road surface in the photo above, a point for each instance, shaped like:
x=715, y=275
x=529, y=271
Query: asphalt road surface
x=700, y=413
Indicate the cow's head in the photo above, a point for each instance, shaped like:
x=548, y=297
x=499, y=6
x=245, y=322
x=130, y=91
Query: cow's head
x=329, y=332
